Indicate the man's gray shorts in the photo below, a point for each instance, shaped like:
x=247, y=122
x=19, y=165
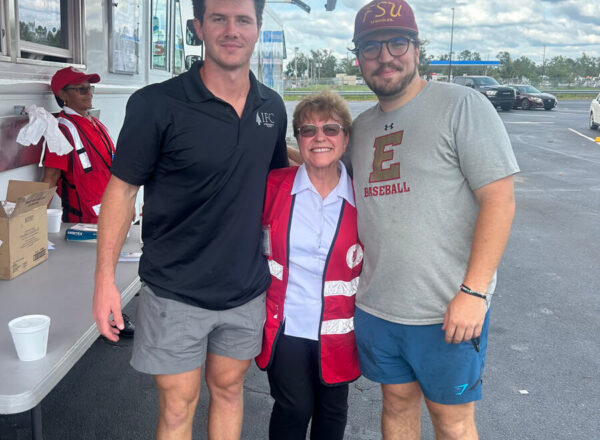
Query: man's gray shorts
x=172, y=337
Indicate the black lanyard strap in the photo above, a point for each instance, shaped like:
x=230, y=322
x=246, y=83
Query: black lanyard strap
x=81, y=133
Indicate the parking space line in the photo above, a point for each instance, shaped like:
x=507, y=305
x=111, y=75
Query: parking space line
x=583, y=136
x=533, y=115
x=563, y=153
x=528, y=122
x=573, y=112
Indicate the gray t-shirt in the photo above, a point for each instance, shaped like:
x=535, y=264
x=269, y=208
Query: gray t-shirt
x=415, y=169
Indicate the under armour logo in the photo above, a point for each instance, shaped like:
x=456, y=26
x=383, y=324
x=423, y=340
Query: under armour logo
x=391, y=126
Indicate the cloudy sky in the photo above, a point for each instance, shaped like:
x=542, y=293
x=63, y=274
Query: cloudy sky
x=521, y=27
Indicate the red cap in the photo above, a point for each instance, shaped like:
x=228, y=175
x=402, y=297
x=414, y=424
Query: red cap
x=384, y=14
x=71, y=75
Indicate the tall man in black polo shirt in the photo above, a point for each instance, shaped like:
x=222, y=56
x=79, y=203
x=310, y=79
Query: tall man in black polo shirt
x=201, y=144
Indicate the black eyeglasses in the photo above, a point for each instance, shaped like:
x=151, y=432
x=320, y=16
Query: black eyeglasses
x=397, y=47
x=310, y=130
x=83, y=90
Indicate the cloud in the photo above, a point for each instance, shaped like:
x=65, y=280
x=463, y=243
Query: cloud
x=521, y=27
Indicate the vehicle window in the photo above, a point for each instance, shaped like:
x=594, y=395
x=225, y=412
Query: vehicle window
x=459, y=80
x=530, y=89
x=159, y=34
x=47, y=29
x=43, y=22
x=2, y=29
x=123, y=35
x=469, y=82
x=486, y=81
x=178, y=53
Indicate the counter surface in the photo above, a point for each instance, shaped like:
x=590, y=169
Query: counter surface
x=61, y=287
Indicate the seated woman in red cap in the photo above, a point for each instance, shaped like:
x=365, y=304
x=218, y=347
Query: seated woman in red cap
x=82, y=175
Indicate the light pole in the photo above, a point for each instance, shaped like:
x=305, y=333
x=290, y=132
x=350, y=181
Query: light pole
x=451, y=41
x=296, y=65
x=544, y=63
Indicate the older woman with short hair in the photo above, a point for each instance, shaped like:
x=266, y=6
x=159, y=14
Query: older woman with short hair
x=315, y=258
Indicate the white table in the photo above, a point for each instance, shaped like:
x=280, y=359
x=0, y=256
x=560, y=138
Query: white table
x=62, y=288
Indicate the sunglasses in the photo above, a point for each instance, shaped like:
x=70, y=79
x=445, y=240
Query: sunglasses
x=83, y=90
x=309, y=130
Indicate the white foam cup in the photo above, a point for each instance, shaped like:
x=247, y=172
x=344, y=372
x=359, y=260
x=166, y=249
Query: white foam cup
x=30, y=335
x=54, y=220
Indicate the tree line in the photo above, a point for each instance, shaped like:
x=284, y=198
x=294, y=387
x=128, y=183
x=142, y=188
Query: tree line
x=558, y=69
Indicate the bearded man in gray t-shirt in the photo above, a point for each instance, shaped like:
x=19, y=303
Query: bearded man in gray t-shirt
x=432, y=166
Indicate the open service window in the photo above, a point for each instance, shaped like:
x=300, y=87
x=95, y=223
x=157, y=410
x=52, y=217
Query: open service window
x=49, y=30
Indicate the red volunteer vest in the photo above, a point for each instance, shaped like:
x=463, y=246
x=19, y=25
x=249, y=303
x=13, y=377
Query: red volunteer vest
x=87, y=172
x=339, y=358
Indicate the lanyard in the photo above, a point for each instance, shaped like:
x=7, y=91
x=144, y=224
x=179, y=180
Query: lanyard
x=102, y=138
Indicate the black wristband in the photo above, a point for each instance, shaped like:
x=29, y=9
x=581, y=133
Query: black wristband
x=468, y=291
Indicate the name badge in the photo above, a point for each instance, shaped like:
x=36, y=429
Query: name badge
x=266, y=240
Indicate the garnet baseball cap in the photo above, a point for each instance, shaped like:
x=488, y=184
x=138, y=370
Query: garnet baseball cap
x=384, y=14
x=71, y=75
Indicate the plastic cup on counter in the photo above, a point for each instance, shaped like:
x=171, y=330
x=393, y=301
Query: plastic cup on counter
x=30, y=335
x=54, y=220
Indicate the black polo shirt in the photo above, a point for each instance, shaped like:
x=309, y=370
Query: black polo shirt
x=204, y=171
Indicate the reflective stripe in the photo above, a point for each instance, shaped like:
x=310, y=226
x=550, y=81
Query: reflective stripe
x=276, y=269
x=337, y=326
x=83, y=157
x=338, y=287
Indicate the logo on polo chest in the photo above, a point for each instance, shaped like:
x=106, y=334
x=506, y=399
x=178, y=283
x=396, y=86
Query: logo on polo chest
x=265, y=119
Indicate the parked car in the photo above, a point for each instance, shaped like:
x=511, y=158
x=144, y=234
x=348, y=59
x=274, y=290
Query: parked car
x=595, y=113
x=529, y=97
x=499, y=96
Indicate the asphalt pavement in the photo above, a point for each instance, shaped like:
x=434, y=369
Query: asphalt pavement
x=543, y=363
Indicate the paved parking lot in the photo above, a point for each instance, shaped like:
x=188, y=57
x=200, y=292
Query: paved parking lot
x=542, y=379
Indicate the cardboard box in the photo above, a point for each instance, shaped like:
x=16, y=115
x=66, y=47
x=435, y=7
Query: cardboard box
x=24, y=232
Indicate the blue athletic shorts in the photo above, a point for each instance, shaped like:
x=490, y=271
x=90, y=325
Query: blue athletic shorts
x=391, y=353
